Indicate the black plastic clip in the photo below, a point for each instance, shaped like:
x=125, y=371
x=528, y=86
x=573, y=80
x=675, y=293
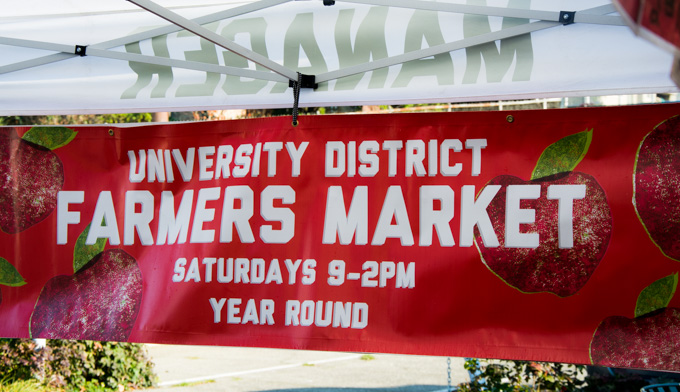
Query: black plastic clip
x=81, y=50
x=328, y=3
x=567, y=17
x=306, y=81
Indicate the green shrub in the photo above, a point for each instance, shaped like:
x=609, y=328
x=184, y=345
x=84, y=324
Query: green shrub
x=523, y=376
x=20, y=359
x=77, y=365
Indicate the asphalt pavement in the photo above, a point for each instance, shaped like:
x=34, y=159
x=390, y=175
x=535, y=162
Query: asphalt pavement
x=237, y=369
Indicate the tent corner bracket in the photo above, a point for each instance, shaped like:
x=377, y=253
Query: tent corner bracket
x=306, y=81
x=567, y=17
x=81, y=50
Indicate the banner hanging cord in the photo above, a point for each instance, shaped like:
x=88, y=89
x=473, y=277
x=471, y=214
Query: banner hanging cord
x=448, y=374
x=296, y=98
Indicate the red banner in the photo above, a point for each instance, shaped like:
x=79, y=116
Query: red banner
x=660, y=18
x=543, y=235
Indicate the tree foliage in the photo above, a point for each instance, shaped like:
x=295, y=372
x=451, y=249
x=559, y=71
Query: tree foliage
x=76, y=119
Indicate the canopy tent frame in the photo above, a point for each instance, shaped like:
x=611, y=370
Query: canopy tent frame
x=69, y=52
x=273, y=71
x=593, y=13
x=280, y=73
x=94, y=51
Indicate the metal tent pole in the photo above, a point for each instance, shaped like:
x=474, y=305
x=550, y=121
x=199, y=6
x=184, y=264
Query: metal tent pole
x=552, y=16
x=451, y=46
x=215, y=38
x=232, y=12
x=71, y=51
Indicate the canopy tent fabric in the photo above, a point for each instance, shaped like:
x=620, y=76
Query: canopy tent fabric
x=64, y=56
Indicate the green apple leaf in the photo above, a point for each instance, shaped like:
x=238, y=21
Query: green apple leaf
x=50, y=137
x=657, y=295
x=9, y=276
x=83, y=253
x=563, y=155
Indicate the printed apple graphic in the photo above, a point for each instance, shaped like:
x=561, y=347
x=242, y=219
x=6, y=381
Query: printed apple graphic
x=100, y=301
x=657, y=186
x=561, y=267
x=9, y=276
x=31, y=175
x=650, y=340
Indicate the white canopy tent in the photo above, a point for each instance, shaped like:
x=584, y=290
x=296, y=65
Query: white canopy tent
x=77, y=56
